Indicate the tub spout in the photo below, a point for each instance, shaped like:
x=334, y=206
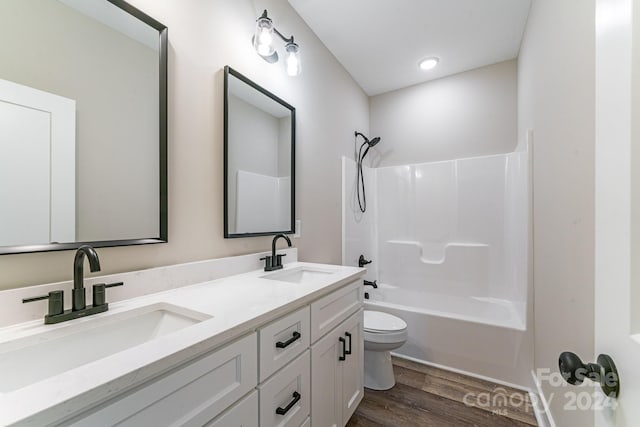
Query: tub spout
x=374, y=284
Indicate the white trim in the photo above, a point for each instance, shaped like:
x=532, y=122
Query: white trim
x=463, y=372
x=344, y=210
x=541, y=407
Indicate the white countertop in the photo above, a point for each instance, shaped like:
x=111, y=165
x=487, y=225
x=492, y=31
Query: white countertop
x=239, y=304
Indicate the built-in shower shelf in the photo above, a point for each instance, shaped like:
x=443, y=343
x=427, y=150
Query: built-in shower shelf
x=442, y=247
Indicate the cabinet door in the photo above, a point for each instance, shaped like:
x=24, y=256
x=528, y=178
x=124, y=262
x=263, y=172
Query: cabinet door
x=353, y=366
x=242, y=414
x=326, y=398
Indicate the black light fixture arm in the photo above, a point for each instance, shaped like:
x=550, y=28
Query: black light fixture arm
x=284, y=39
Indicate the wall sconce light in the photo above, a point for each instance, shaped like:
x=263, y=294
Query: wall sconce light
x=264, y=46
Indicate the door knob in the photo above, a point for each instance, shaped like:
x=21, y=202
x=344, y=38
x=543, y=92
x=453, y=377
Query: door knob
x=574, y=371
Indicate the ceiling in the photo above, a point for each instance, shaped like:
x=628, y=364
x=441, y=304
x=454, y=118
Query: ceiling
x=381, y=42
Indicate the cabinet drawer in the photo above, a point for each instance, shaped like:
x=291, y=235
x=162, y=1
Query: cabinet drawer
x=281, y=341
x=242, y=414
x=329, y=311
x=191, y=395
x=287, y=391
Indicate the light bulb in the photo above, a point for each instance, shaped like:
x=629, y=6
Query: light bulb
x=264, y=45
x=263, y=38
x=429, y=63
x=294, y=67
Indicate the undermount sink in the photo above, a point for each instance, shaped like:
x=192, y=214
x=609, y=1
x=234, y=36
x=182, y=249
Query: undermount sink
x=34, y=358
x=300, y=275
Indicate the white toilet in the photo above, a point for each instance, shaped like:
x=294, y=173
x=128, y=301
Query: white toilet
x=383, y=332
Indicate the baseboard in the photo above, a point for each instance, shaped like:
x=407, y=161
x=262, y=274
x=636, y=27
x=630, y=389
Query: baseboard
x=540, y=405
x=463, y=372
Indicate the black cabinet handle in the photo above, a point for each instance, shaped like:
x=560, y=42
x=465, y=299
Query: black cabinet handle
x=282, y=411
x=344, y=351
x=296, y=336
x=348, y=335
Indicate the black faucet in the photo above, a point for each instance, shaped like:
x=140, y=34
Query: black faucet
x=274, y=261
x=79, y=293
x=79, y=308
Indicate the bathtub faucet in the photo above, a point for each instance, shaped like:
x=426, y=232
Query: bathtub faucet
x=362, y=262
x=369, y=283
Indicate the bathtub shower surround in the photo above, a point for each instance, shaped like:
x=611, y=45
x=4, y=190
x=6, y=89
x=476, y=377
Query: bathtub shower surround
x=449, y=241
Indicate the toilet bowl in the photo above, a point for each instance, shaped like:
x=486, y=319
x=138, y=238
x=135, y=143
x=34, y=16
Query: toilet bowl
x=383, y=332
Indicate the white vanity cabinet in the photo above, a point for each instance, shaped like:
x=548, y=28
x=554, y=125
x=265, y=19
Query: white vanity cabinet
x=301, y=369
x=337, y=357
x=192, y=394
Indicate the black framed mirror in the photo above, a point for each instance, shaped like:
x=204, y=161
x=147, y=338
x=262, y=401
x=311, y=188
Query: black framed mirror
x=259, y=159
x=83, y=125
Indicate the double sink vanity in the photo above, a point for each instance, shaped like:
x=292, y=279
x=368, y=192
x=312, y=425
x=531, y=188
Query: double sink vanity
x=282, y=348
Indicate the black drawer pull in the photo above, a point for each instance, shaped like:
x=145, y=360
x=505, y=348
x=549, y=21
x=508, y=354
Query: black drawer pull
x=296, y=336
x=348, y=335
x=344, y=352
x=282, y=411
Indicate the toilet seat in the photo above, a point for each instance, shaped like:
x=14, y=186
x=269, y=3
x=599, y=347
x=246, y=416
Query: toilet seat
x=397, y=337
x=378, y=322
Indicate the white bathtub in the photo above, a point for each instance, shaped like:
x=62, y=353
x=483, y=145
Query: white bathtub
x=450, y=240
x=480, y=336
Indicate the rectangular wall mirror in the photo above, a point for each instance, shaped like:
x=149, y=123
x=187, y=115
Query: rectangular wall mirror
x=259, y=159
x=83, y=125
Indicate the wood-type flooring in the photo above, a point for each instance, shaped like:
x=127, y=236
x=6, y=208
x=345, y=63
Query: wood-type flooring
x=426, y=396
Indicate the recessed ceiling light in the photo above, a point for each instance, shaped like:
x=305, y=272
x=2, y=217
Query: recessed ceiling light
x=429, y=63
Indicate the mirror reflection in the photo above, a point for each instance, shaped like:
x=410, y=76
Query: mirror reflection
x=82, y=127
x=259, y=159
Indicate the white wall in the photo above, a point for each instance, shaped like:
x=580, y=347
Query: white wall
x=556, y=96
x=465, y=115
x=204, y=36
